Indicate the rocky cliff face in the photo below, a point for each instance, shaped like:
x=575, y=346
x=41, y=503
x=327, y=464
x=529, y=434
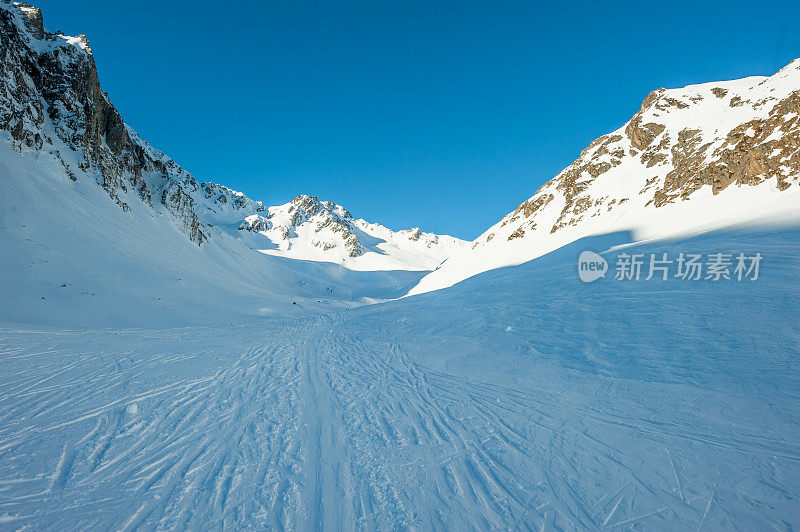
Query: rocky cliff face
x=51, y=103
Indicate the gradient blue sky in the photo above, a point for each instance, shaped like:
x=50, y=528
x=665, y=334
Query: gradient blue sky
x=443, y=115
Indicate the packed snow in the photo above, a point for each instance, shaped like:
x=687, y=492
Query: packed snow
x=521, y=398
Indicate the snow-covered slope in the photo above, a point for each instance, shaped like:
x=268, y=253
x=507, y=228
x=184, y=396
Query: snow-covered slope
x=97, y=225
x=258, y=397
x=521, y=399
x=70, y=256
x=692, y=159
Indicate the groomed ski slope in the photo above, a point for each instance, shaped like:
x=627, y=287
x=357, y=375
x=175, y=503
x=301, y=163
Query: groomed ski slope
x=520, y=398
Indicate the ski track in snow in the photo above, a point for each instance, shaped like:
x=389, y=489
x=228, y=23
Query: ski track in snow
x=518, y=399
x=312, y=426
x=521, y=399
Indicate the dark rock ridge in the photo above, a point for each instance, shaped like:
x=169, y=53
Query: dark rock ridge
x=51, y=101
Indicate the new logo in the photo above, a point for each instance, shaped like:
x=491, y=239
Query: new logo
x=591, y=266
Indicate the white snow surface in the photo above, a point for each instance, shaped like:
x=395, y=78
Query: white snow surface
x=71, y=256
x=519, y=399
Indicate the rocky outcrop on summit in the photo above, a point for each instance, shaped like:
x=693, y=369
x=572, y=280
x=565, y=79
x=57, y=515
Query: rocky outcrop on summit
x=324, y=215
x=642, y=135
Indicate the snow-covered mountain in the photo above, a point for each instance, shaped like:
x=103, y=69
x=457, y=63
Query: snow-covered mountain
x=309, y=229
x=86, y=201
x=691, y=159
x=52, y=103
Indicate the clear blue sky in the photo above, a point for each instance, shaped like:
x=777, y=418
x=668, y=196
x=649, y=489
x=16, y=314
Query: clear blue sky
x=443, y=115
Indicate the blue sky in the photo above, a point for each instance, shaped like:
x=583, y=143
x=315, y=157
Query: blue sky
x=442, y=115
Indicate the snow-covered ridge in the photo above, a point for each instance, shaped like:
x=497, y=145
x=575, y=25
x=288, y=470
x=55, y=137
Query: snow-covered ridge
x=309, y=229
x=702, y=156
x=51, y=103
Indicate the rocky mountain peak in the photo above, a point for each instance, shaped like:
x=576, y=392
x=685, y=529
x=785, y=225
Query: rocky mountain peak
x=308, y=206
x=714, y=135
x=327, y=224
x=311, y=229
